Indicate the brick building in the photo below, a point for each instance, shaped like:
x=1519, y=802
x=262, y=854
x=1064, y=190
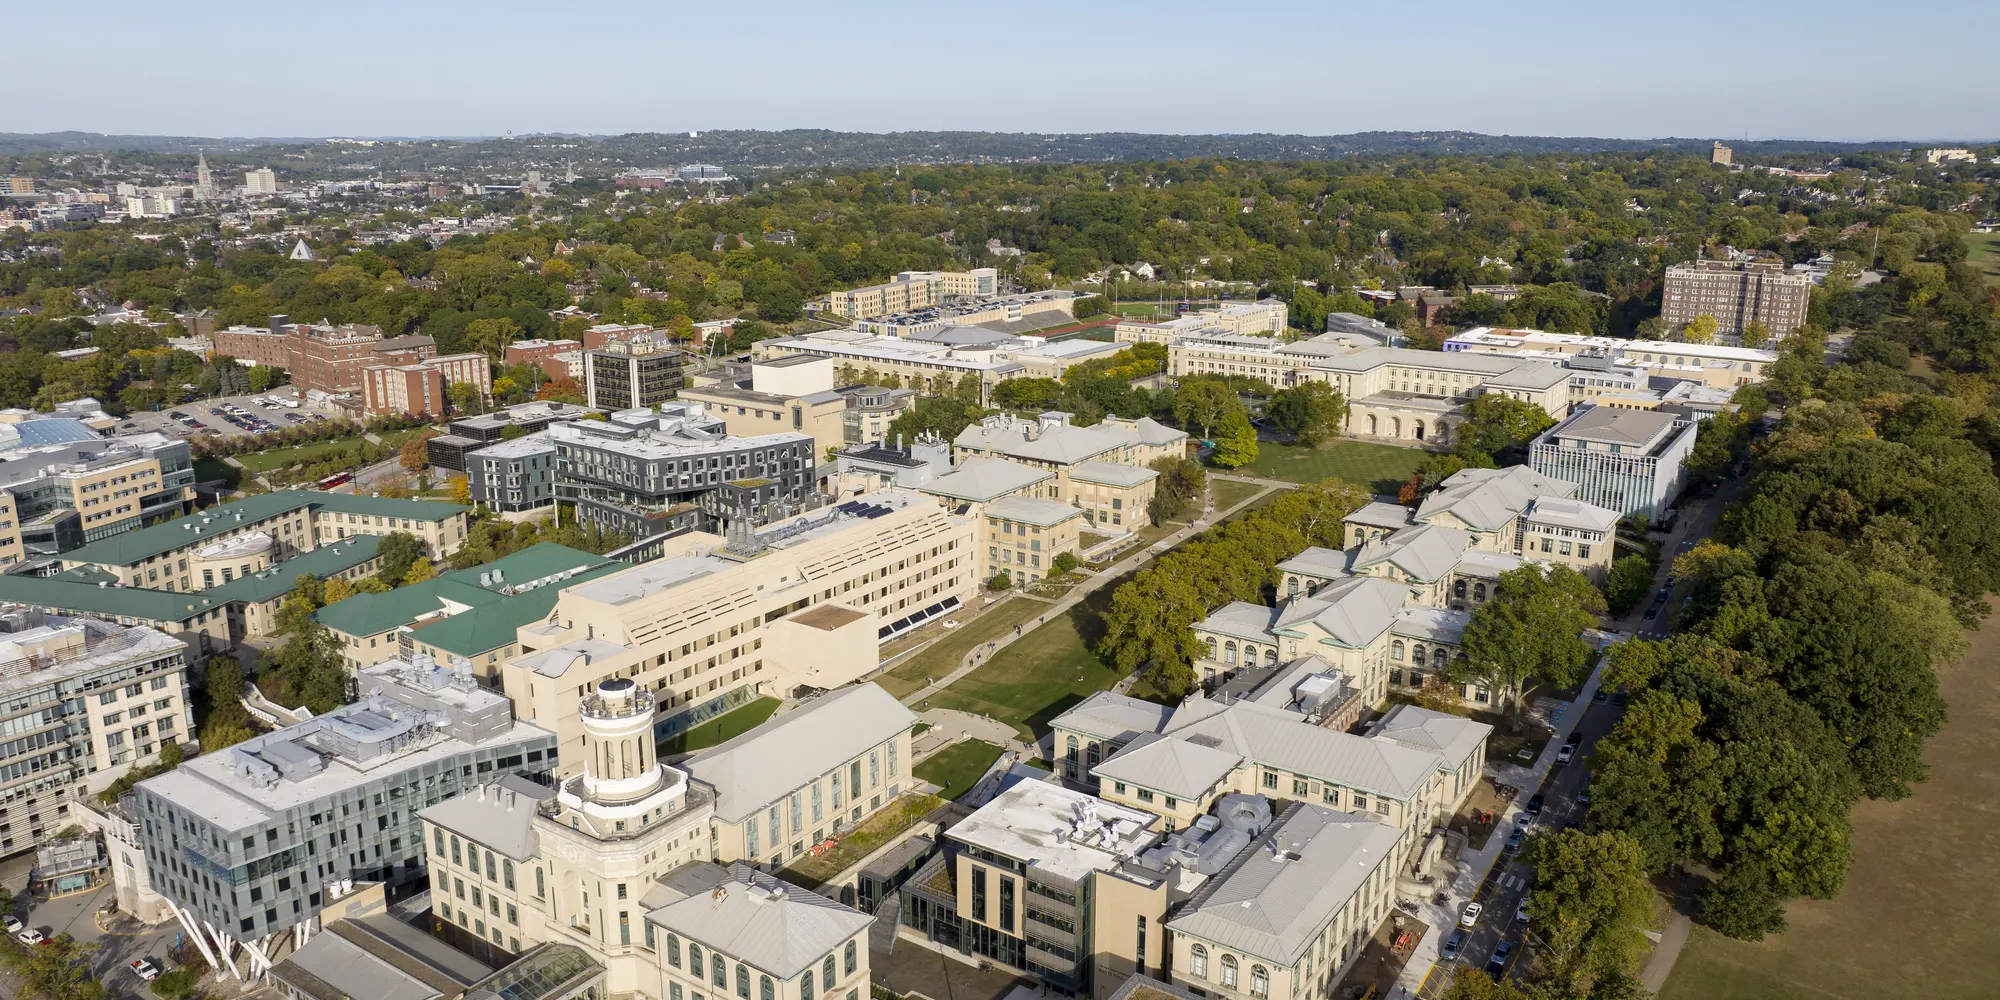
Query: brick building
x=320, y=356
x=421, y=387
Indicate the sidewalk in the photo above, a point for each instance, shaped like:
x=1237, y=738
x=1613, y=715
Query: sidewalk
x=1473, y=868
x=1076, y=595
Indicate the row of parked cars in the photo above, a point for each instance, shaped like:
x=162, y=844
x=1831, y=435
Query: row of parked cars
x=32, y=937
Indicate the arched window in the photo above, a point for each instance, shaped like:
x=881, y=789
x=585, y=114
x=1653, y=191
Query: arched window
x=674, y=950
x=1417, y=654
x=1198, y=961
x=765, y=989
x=1211, y=646
x=1229, y=971
x=742, y=981
x=1072, y=749
x=850, y=961
x=1478, y=591
x=1396, y=650
x=1270, y=656
x=806, y=985
x=1229, y=652
x=694, y=960
x=1372, y=432
x=1440, y=656
x=826, y=976
x=1291, y=586
x=1260, y=981
x=1458, y=589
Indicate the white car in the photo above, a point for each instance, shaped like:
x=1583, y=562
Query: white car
x=145, y=970
x=1566, y=754
x=1470, y=918
x=31, y=937
x=14, y=924
x=1521, y=912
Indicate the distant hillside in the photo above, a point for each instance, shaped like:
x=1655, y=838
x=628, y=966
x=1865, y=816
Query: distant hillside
x=814, y=147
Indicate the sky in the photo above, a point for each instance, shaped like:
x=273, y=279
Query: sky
x=1911, y=69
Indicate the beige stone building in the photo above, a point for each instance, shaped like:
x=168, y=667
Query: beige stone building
x=1023, y=536
x=1719, y=366
x=912, y=290
x=1736, y=293
x=1101, y=470
x=716, y=622
x=797, y=393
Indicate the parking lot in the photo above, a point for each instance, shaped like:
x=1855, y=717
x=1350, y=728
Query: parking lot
x=118, y=941
x=215, y=415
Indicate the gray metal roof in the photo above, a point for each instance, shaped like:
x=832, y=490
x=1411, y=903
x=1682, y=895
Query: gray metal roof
x=1272, y=901
x=1175, y=767
x=1111, y=473
x=1569, y=512
x=500, y=814
x=1324, y=563
x=980, y=479
x=342, y=969
x=1450, y=736
x=1379, y=514
x=752, y=917
x=1029, y=510
x=1283, y=741
x=1064, y=444
x=1488, y=498
x=1352, y=611
x=1112, y=716
x=755, y=769
x=1637, y=428
x=1427, y=552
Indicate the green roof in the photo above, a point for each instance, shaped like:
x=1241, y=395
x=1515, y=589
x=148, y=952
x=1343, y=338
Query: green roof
x=322, y=562
x=145, y=543
x=117, y=602
x=373, y=614
x=484, y=629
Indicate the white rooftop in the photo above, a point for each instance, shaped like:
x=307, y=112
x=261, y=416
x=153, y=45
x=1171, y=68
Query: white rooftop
x=1066, y=833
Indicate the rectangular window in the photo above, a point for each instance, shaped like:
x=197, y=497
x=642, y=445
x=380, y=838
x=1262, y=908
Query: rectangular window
x=817, y=811
x=1270, y=779
x=978, y=893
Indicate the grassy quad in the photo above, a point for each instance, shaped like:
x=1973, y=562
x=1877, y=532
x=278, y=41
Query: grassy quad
x=1381, y=468
x=722, y=728
x=1038, y=677
x=956, y=768
x=1982, y=250
x=944, y=656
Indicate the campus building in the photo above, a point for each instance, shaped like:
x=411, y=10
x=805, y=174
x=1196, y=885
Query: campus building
x=465, y=434
x=932, y=368
x=912, y=290
x=1101, y=470
x=64, y=485
x=87, y=701
x=1630, y=461
x=1514, y=511
x=422, y=388
x=253, y=840
x=1264, y=318
x=321, y=357
x=801, y=603
x=1717, y=366
x=619, y=377
x=1736, y=293
x=798, y=393
x=639, y=473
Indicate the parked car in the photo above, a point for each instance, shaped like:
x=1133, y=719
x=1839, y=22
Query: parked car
x=1599, y=696
x=1573, y=738
x=1470, y=918
x=1651, y=613
x=1566, y=754
x=31, y=937
x=1583, y=796
x=1619, y=699
x=1535, y=805
x=1514, y=839
x=14, y=924
x=1497, y=965
x=1452, y=946
x=1661, y=597
x=1521, y=911
x=145, y=970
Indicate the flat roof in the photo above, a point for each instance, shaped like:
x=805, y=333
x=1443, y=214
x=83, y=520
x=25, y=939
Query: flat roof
x=1066, y=833
x=1044, y=513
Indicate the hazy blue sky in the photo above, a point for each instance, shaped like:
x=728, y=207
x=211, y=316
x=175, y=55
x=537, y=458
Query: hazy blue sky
x=1915, y=69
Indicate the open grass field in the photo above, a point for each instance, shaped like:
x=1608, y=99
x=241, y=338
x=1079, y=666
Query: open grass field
x=1381, y=468
x=943, y=656
x=278, y=458
x=1982, y=250
x=1914, y=918
x=1227, y=494
x=723, y=728
x=1040, y=675
x=957, y=767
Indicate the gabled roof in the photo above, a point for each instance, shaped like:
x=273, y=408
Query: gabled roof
x=1111, y=473
x=1284, y=741
x=741, y=912
x=323, y=562
x=1352, y=611
x=136, y=546
x=1324, y=563
x=467, y=590
x=500, y=815
x=755, y=769
x=1486, y=499
x=1426, y=552
x=1111, y=716
x=1175, y=767
x=1063, y=444
x=1452, y=737
x=1379, y=514
x=1275, y=896
x=109, y=601
x=1569, y=512
x=981, y=479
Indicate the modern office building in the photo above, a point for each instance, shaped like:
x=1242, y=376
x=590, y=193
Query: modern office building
x=251, y=841
x=260, y=181
x=447, y=451
x=1630, y=461
x=87, y=701
x=798, y=393
x=712, y=623
x=637, y=473
x=1736, y=293
x=512, y=477
x=616, y=378
x=66, y=485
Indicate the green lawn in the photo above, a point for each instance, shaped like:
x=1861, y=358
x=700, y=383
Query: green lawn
x=957, y=768
x=1982, y=250
x=722, y=728
x=1039, y=676
x=944, y=656
x=1227, y=494
x=1379, y=467
x=278, y=458
x=1912, y=919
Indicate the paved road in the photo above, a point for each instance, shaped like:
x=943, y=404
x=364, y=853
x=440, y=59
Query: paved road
x=981, y=654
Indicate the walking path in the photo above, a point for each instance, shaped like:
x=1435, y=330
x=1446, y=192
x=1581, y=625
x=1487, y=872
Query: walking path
x=981, y=654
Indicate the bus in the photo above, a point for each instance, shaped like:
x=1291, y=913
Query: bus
x=337, y=479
